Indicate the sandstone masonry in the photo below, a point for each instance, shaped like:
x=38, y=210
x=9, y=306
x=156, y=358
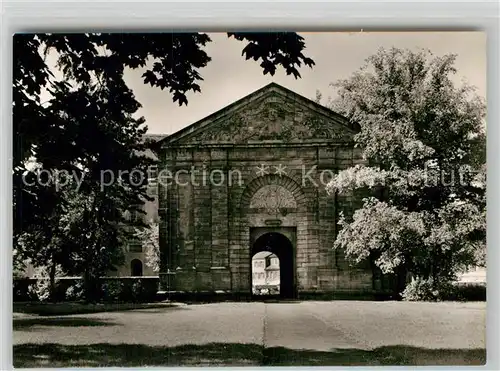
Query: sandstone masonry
x=257, y=167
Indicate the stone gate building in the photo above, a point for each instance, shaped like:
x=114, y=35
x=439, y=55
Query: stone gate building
x=249, y=178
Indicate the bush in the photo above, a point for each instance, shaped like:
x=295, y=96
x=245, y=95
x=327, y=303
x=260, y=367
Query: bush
x=42, y=289
x=423, y=290
x=468, y=292
x=137, y=291
x=128, y=289
x=420, y=289
x=112, y=289
x=23, y=290
x=74, y=292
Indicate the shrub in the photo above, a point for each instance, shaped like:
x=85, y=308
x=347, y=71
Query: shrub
x=468, y=292
x=74, y=292
x=149, y=289
x=23, y=290
x=42, y=289
x=137, y=290
x=420, y=289
x=128, y=289
x=113, y=290
x=423, y=290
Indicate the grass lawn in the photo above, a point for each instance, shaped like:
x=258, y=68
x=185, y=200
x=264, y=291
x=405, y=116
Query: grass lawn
x=233, y=354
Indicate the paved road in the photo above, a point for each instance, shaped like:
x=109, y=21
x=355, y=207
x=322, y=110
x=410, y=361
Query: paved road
x=301, y=325
x=318, y=326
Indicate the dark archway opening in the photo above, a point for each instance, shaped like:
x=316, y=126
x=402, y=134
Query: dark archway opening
x=279, y=245
x=136, y=268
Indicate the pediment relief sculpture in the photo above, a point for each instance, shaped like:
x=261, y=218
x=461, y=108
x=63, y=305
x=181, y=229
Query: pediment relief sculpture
x=272, y=119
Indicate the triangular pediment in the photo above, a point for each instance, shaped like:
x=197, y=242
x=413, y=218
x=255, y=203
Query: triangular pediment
x=271, y=114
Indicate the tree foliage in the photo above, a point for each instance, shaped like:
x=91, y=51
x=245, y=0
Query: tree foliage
x=88, y=127
x=169, y=61
x=150, y=238
x=423, y=141
x=79, y=219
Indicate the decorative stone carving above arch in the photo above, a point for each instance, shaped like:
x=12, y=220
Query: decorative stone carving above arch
x=273, y=199
x=272, y=194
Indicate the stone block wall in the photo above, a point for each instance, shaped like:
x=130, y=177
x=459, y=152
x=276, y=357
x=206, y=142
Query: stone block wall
x=205, y=222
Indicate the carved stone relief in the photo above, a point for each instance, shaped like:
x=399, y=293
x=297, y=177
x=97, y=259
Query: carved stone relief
x=273, y=199
x=273, y=119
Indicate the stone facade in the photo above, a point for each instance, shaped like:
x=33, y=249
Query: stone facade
x=253, y=171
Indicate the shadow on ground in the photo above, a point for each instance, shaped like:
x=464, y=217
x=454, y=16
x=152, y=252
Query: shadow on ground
x=63, y=309
x=27, y=323
x=229, y=354
x=164, y=309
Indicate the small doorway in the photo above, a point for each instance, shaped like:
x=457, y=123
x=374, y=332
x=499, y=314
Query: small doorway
x=136, y=268
x=275, y=250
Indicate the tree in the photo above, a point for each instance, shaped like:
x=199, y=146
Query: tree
x=42, y=245
x=423, y=142
x=318, y=97
x=88, y=127
x=170, y=61
x=80, y=226
x=113, y=165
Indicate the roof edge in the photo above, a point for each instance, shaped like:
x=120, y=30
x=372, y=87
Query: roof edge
x=192, y=127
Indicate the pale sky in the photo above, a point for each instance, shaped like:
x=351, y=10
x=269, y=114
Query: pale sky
x=229, y=77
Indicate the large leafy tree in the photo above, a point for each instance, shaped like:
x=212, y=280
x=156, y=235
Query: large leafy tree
x=84, y=231
x=88, y=127
x=423, y=139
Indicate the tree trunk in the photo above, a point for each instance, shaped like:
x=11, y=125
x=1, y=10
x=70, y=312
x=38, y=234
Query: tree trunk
x=89, y=279
x=377, y=278
x=52, y=281
x=401, y=273
x=88, y=287
x=91, y=286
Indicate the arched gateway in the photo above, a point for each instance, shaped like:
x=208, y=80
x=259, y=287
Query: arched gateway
x=251, y=178
x=276, y=243
x=273, y=210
